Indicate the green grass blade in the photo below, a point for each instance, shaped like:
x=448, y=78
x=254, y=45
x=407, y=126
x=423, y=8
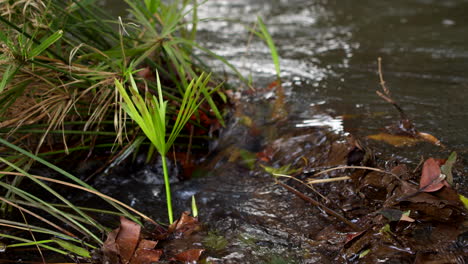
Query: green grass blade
x=45, y=44
x=10, y=71
x=6, y=41
x=194, y=207
x=42, y=230
x=60, y=197
x=213, y=106
x=32, y=243
x=70, y=247
x=274, y=53
x=64, y=173
x=214, y=55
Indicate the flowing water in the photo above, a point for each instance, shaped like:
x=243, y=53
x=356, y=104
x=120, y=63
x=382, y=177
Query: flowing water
x=328, y=53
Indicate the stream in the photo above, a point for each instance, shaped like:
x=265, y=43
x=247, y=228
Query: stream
x=328, y=52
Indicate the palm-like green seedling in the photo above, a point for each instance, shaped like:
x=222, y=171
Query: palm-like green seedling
x=150, y=115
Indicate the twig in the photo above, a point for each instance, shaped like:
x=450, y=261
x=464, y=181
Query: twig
x=386, y=92
x=316, y=203
x=314, y=181
x=302, y=182
x=349, y=167
x=382, y=82
x=353, y=167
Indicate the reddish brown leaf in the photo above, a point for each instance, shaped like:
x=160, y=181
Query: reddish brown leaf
x=273, y=84
x=266, y=155
x=145, y=253
x=190, y=256
x=440, y=162
x=185, y=225
x=147, y=244
x=352, y=236
x=127, y=239
x=430, y=178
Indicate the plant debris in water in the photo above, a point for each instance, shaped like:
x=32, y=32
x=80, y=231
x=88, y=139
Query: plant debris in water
x=393, y=217
x=127, y=244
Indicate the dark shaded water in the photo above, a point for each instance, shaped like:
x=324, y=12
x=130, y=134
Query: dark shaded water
x=328, y=52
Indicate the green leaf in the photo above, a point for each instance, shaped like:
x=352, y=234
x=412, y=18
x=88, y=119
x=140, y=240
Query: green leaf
x=152, y=5
x=248, y=158
x=447, y=167
x=46, y=44
x=464, y=201
x=385, y=229
x=364, y=253
x=283, y=170
x=72, y=248
x=194, y=207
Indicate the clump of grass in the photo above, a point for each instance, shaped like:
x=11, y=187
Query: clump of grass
x=65, y=66
x=78, y=223
x=59, y=61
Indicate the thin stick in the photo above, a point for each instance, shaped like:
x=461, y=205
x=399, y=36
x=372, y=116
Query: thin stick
x=387, y=97
x=382, y=82
x=314, y=181
x=316, y=203
x=354, y=167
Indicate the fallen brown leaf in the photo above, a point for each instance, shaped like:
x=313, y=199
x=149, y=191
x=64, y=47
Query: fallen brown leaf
x=185, y=225
x=145, y=253
x=127, y=239
x=190, y=256
x=109, y=249
x=395, y=140
x=429, y=138
x=431, y=179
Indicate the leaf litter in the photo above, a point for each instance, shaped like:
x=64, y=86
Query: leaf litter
x=388, y=216
x=128, y=245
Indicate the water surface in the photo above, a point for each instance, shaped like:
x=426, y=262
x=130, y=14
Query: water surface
x=329, y=52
